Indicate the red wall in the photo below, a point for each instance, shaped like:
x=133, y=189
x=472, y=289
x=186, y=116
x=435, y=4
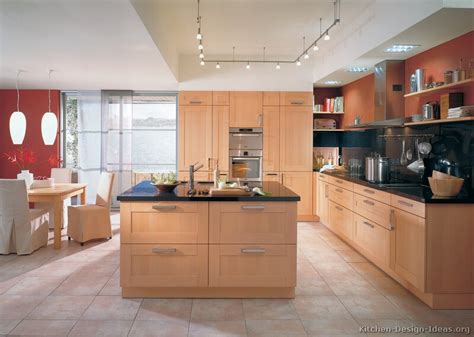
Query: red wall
x=33, y=103
x=359, y=100
x=435, y=62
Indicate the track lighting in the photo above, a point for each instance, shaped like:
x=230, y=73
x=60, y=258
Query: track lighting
x=200, y=47
x=327, y=37
x=298, y=63
x=198, y=35
x=315, y=48
x=277, y=67
x=306, y=56
x=201, y=55
x=248, y=65
x=218, y=66
x=202, y=62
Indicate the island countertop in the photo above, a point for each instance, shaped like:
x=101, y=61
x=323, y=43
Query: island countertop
x=145, y=191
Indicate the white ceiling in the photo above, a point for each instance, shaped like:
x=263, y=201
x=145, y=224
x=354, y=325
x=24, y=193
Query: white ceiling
x=89, y=44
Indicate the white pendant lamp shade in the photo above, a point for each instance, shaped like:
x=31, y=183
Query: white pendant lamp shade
x=17, y=127
x=49, y=127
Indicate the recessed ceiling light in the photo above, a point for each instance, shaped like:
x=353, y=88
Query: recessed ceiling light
x=357, y=69
x=333, y=82
x=401, y=48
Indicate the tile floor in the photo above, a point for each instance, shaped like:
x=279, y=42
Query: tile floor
x=76, y=292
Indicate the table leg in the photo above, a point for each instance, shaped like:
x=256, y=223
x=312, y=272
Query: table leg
x=83, y=196
x=58, y=217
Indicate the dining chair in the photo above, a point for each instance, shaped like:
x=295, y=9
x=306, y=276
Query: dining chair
x=22, y=230
x=87, y=222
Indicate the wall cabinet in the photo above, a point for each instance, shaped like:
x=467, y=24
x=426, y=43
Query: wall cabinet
x=296, y=98
x=195, y=98
x=271, y=98
x=300, y=183
x=246, y=109
x=296, y=139
x=272, y=176
x=220, y=98
x=271, y=138
x=220, y=138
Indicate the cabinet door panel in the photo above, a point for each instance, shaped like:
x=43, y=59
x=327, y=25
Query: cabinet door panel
x=301, y=184
x=271, y=98
x=373, y=210
x=296, y=98
x=195, y=136
x=341, y=196
x=272, y=176
x=220, y=98
x=323, y=201
x=220, y=139
x=246, y=109
x=341, y=220
x=271, y=138
x=195, y=98
x=296, y=139
x=373, y=239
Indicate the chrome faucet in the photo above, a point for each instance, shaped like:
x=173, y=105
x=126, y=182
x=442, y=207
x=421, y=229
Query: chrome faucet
x=193, y=168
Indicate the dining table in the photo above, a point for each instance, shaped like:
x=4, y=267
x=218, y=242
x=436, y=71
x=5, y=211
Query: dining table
x=55, y=195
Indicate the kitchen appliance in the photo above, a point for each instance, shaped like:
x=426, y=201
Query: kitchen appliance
x=430, y=110
x=420, y=79
x=324, y=123
x=377, y=169
x=245, y=152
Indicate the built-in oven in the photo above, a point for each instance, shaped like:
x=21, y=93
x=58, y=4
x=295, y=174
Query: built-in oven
x=246, y=165
x=245, y=138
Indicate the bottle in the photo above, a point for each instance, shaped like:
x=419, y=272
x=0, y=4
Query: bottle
x=217, y=174
x=331, y=159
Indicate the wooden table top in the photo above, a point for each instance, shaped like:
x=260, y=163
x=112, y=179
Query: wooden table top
x=57, y=189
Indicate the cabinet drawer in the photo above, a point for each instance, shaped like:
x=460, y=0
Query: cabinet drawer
x=373, y=240
x=408, y=205
x=195, y=98
x=341, y=220
x=271, y=98
x=323, y=177
x=372, y=193
x=220, y=98
x=372, y=210
x=296, y=98
x=252, y=222
x=143, y=265
x=271, y=176
x=341, y=196
x=252, y=265
x=164, y=222
x=341, y=183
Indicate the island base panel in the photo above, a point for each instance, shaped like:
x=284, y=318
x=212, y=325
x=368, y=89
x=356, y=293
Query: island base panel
x=208, y=292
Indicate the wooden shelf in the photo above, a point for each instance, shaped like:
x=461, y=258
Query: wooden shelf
x=328, y=113
x=441, y=121
x=329, y=130
x=446, y=86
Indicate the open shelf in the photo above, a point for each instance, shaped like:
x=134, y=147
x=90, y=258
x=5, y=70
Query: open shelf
x=328, y=113
x=328, y=130
x=446, y=86
x=441, y=121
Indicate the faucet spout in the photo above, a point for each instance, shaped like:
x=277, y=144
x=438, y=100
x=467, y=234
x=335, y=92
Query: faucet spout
x=193, y=168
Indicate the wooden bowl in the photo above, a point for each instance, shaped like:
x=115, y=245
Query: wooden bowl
x=441, y=175
x=166, y=188
x=445, y=187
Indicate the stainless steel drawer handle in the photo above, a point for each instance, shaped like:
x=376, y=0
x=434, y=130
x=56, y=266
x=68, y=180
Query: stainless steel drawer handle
x=297, y=102
x=401, y=202
x=339, y=181
x=369, y=191
x=339, y=190
x=271, y=174
x=252, y=207
x=252, y=250
x=391, y=225
x=246, y=135
x=368, y=202
x=162, y=207
x=368, y=224
x=164, y=250
x=339, y=208
x=195, y=102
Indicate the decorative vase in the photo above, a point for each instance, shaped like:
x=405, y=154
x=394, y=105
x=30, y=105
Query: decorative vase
x=27, y=177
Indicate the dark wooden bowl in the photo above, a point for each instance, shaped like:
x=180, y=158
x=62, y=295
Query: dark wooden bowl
x=166, y=188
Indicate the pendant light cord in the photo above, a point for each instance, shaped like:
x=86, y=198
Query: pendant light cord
x=17, y=91
x=49, y=90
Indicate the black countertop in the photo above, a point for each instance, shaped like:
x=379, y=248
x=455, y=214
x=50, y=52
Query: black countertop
x=145, y=191
x=419, y=193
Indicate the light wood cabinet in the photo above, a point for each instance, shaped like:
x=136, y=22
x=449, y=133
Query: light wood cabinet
x=220, y=98
x=341, y=196
x=246, y=109
x=271, y=138
x=252, y=222
x=315, y=193
x=160, y=265
x=409, y=247
x=296, y=139
x=195, y=136
x=271, y=98
x=296, y=98
x=300, y=183
x=198, y=176
x=252, y=265
x=195, y=98
x=372, y=193
x=323, y=201
x=373, y=210
x=272, y=176
x=220, y=139
x=408, y=205
x=341, y=220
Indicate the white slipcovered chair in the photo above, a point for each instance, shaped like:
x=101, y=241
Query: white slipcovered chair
x=22, y=230
x=87, y=222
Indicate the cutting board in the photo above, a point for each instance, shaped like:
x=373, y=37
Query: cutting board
x=229, y=192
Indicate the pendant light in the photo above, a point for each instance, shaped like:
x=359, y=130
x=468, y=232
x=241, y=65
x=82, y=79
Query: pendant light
x=49, y=122
x=17, y=119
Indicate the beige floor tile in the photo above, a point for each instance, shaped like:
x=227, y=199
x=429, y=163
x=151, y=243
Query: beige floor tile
x=275, y=328
x=7, y=283
x=101, y=329
x=331, y=326
x=341, y=269
x=350, y=285
x=43, y=327
x=351, y=256
x=112, y=308
x=56, y=269
x=217, y=329
x=217, y=310
x=7, y=325
x=165, y=309
x=255, y=309
x=61, y=307
x=33, y=285
x=319, y=307
x=159, y=329
x=312, y=285
x=368, y=270
x=81, y=285
x=17, y=307
x=112, y=287
x=387, y=286
x=372, y=307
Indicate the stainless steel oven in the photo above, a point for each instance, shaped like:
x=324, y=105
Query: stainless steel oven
x=246, y=139
x=246, y=165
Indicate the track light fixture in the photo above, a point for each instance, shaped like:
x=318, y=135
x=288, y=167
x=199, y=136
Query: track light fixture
x=277, y=67
x=248, y=65
x=218, y=66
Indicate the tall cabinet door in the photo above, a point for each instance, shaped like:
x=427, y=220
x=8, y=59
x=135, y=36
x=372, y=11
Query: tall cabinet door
x=301, y=184
x=296, y=138
x=195, y=136
x=246, y=109
x=323, y=202
x=271, y=138
x=220, y=139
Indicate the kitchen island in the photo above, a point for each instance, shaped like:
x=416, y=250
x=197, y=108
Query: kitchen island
x=204, y=246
